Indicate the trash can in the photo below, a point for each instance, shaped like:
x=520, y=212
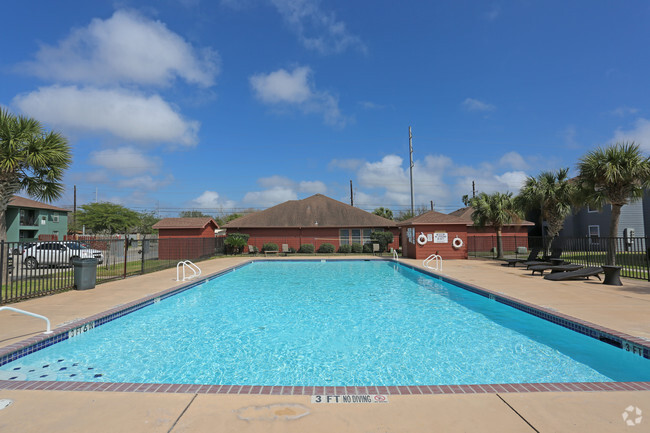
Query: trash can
x=85, y=273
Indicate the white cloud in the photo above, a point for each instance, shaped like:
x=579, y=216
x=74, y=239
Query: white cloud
x=270, y=197
x=368, y=105
x=640, y=134
x=513, y=160
x=125, y=160
x=211, y=200
x=284, y=88
x=623, y=111
x=312, y=187
x=513, y=180
x=145, y=183
x=317, y=29
x=123, y=113
x=125, y=48
x=273, y=181
x=471, y=104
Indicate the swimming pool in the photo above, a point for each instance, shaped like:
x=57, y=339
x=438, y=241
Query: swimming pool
x=335, y=323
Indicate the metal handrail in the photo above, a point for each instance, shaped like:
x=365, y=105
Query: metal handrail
x=395, y=255
x=433, y=258
x=196, y=271
x=38, y=316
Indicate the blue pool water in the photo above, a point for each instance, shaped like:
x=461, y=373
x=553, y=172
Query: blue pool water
x=329, y=323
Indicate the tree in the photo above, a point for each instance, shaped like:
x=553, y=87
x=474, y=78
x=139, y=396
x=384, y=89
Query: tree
x=193, y=214
x=383, y=239
x=384, y=213
x=236, y=242
x=146, y=222
x=108, y=218
x=613, y=175
x=552, y=193
x=31, y=159
x=403, y=215
x=495, y=210
x=227, y=218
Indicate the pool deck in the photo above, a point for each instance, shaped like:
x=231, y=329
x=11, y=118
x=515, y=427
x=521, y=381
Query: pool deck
x=625, y=309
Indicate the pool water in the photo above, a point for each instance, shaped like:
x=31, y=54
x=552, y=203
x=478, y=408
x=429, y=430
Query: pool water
x=329, y=323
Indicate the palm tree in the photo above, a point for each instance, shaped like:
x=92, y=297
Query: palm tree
x=613, y=175
x=31, y=159
x=552, y=193
x=496, y=210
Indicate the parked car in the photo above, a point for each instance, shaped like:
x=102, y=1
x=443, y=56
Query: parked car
x=58, y=253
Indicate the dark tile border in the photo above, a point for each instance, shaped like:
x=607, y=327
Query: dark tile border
x=33, y=344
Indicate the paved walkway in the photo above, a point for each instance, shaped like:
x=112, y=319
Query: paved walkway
x=625, y=309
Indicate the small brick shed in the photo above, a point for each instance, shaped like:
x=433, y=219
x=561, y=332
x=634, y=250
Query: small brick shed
x=439, y=231
x=185, y=238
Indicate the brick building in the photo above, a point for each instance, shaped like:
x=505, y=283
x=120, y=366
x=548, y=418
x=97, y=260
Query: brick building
x=185, y=238
x=314, y=220
x=434, y=233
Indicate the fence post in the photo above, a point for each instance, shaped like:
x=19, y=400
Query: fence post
x=126, y=247
x=142, y=255
x=2, y=269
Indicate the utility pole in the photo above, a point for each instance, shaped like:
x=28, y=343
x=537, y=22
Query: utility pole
x=411, y=169
x=351, y=194
x=431, y=204
x=96, y=189
x=473, y=190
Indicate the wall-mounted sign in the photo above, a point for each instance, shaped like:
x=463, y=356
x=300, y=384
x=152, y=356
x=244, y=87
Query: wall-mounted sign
x=440, y=238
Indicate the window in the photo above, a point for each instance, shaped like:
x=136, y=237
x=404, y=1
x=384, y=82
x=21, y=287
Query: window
x=43, y=220
x=344, y=237
x=366, y=235
x=594, y=233
x=55, y=218
x=356, y=236
x=591, y=210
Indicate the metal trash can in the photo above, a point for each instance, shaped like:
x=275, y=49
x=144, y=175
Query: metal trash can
x=85, y=273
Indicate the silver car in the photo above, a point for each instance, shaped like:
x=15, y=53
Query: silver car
x=58, y=253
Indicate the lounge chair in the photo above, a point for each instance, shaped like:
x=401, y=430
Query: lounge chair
x=252, y=250
x=285, y=249
x=375, y=249
x=532, y=256
x=555, y=254
x=575, y=275
x=555, y=268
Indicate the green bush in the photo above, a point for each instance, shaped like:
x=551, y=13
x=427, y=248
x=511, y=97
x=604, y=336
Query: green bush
x=383, y=239
x=306, y=249
x=356, y=248
x=345, y=249
x=292, y=250
x=367, y=248
x=326, y=248
x=235, y=242
x=270, y=246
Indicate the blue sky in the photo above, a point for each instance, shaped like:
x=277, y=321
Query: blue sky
x=196, y=104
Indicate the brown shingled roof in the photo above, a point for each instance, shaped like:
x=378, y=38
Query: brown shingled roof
x=184, y=223
x=25, y=202
x=315, y=211
x=465, y=213
x=433, y=217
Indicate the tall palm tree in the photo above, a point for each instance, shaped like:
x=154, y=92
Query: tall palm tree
x=613, y=175
x=496, y=210
x=31, y=159
x=552, y=193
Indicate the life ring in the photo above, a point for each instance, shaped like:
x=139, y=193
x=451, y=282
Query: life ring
x=457, y=242
x=422, y=239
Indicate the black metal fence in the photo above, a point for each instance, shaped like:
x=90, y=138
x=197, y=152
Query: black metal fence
x=632, y=253
x=30, y=269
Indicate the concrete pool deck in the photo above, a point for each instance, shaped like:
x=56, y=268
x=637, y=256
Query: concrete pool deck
x=625, y=309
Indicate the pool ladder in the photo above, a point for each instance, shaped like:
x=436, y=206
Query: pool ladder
x=38, y=316
x=395, y=254
x=186, y=264
x=436, y=260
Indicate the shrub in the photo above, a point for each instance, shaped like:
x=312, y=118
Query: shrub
x=367, y=248
x=383, y=239
x=306, y=249
x=356, y=248
x=292, y=250
x=345, y=249
x=235, y=242
x=270, y=246
x=326, y=248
